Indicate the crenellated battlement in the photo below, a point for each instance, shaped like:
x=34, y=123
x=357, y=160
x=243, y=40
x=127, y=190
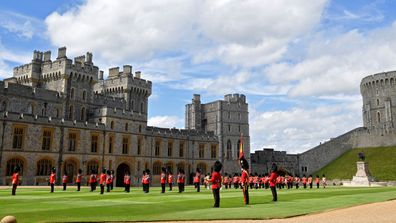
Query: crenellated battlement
x=182, y=133
x=119, y=113
x=235, y=98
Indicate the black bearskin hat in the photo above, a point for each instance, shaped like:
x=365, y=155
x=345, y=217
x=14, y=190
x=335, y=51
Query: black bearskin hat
x=16, y=169
x=217, y=166
x=108, y=172
x=147, y=171
x=198, y=170
x=53, y=170
x=79, y=171
x=244, y=163
x=104, y=170
x=163, y=169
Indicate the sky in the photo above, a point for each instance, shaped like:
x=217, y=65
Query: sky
x=299, y=62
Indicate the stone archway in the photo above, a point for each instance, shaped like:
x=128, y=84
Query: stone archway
x=121, y=169
x=70, y=168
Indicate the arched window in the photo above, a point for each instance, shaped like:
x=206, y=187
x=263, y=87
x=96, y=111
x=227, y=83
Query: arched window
x=126, y=126
x=30, y=109
x=72, y=93
x=378, y=102
x=4, y=106
x=142, y=107
x=44, y=167
x=71, y=112
x=11, y=164
x=112, y=124
x=92, y=165
x=157, y=168
x=57, y=112
x=82, y=115
x=229, y=150
x=378, y=117
x=84, y=96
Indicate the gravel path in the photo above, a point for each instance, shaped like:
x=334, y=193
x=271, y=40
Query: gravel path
x=383, y=212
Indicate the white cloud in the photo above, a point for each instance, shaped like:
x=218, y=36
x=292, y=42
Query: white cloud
x=7, y=55
x=23, y=26
x=165, y=121
x=300, y=128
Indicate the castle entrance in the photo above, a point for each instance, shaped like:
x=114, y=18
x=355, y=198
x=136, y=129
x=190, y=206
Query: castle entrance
x=70, y=170
x=121, y=169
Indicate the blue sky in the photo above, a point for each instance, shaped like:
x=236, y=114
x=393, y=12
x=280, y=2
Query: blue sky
x=299, y=62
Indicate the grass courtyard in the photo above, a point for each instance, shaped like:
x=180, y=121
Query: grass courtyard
x=38, y=205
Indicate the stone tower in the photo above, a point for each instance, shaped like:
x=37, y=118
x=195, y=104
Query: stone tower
x=227, y=118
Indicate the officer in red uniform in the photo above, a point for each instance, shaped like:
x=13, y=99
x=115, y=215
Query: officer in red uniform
x=102, y=180
x=181, y=180
x=304, y=181
x=52, y=179
x=170, y=180
x=245, y=180
x=15, y=179
x=310, y=181
x=317, y=180
x=146, y=181
x=235, y=181
x=197, y=180
x=272, y=181
x=216, y=183
x=93, y=180
x=64, y=181
x=109, y=180
x=78, y=179
x=225, y=180
x=127, y=181
x=163, y=179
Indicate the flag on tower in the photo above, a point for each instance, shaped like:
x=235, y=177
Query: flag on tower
x=241, y=155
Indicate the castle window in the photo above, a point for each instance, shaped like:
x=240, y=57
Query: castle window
x=157, y=168
x=112, y=124
x=181, y=149
x=30, y=109
x=157, y=148
x=4, y=106
x=378, y=117
x=213, y=152
x=11, y=164
x=17, y=141
x=46, y=145
x=94, y=143
x=84, y=95
x=139, y=146
x=72, y=93
x=111, y=144
x=44, y=167
x=126, y=126
x=239, y=116
x=229, y=149
x=72, y=141
x=57, y=112
x=229, y=115
x=201, y=151
x=82, y=115
x=140, y=128
x=238, y=147
x=92, y=166
x=170, y=148
x=71, y=112
x=378, y=102
x=142, y=107
x=125, y=145
x=229, y=127
x=132, y=103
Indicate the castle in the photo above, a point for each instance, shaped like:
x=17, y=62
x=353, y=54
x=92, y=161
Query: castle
x=379, y=96
x=63, y=113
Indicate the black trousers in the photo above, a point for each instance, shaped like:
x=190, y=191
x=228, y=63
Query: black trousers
x=64, y=186
x=108, y=187
x=181, y=187
x=163, y=188
x=246, y=194
x=93, y=186
x=274, y=194
x=297, y=185
x=102, y=188
x=310, y=185
x=14, y=187
x=317, y=185
x=78, y=186
x=52, y=188
x=170, y=186
x=216, y=195
x=146, y=188
x=198, y=186
x=128, y=187
x=112, y=185
x=305, y=186
x=236, y=185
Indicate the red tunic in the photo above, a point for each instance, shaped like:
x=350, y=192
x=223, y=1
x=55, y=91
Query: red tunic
x=197, y=177
x=78, y=178
x=317, y=180
x=102, y=179
x=52, y=178
x=272, y=179
x=235, y=180
x=92, y=178
x=163, y=178
x=180, y=178
x=109, y=179
x=245, y=177
x=216, y=180
x=170, y=178
x=64, y=179
x=15, y=178
x=304, y=180
x=309, y=180
x=127, y=179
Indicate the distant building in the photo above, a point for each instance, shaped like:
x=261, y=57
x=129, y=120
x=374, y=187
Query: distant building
x=261, y=161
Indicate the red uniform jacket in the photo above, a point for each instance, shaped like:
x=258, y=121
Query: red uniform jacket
x=309, y=180
x=216, y=180
x=109, y=179
x=15, y=178
x=304, y=180
x=102, y=179
x=127, y=179
x=52, y=178
x=146, y=179
x=245, y=177
x=64, y=179
x=197, y=177
x=78, y=178
x=170, y=178
x=92, y=178
x=163, y=178
x=235, y=180
x=180, y=178
x=272, y=179
x=317, y=180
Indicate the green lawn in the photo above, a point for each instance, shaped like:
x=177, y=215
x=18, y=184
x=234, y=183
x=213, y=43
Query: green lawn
x=38, y=205
x=382, y=164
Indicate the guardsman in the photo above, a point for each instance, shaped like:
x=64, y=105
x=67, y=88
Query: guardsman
x=216, y=182
x=15, y=179
x=181, y=180
x=324, y=181
x=93, y=180
x=272, y=181
x=102, y=180
x=317, y=180
x=112, y=179
x=52, y=179
x=229, y=181
x=197, y=179
x=245, y=180
x=127, y=181
x=266, y=181
x=304, y=181
x=297, y=181
x=170, y=180
x=310, y=181
x=250, y=181
x=225, y=180
x=206, y=181
x=163, y=179
x=109, y=180
x=78, y=179
x=235, y=181
x=146, y=181
x=256, y=181
x=64, y=180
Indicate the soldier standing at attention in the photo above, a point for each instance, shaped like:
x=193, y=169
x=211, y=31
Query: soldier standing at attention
x=146, y=181
x=64, y=181
x=92, y=180
x=15, y=180
x=197, y=179
x=78, y=179
x=52, y=179
x=170, y=180
x=225, y=181
x=102, y=180
x=127, y=181
x=245, y=180
x=272, y=181
x=181, y=180
x=310, y=181
x=112, y=179
x=163, y=179
x=317, y=180
x=109, y=180
x=304, y=181
x=216, y=183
